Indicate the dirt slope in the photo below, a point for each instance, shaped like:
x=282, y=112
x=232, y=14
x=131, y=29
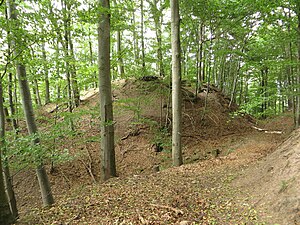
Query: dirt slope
x=218, y=145
x=275, y=182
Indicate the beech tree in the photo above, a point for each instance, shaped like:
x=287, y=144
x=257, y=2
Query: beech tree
x=6, y=216
x=108, y=165
x=176, y=85
x=27, y=103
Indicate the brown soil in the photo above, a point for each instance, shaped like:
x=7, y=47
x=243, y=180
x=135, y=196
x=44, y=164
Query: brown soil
x=219, y=148
x=275, y=182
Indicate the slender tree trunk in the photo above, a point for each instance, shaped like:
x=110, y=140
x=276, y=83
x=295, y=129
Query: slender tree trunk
x=57, y=65
x=119, y=53
x=234, y=86
x=6, y=216
x=11, y=103
x=46, y=76
x=176, y=85
x=108, y=165
x=92, y=59
x=6, y=174
x=135, y=39
x=32, y=129
x=75, y=87
x=29, y=114
x=65, y=44
x=75, y=92
x=143, y=39
x=156, y=11
x=297, y=106
x=37, y=92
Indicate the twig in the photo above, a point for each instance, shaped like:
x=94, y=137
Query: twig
x=132, y=133
x=66, y=179
x=191, y=119
x=177, y=211
x=89, y=167
x=125, y=137
x=267, y=131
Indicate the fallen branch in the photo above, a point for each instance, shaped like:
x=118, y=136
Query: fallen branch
x=132, y=133
x=267, y=131
x=177, y=211
x=89, y=167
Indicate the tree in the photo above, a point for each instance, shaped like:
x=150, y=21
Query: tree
x=176, y=84
x=297, y=101
x=108, y=167
x=27, y=104
x=6, y=216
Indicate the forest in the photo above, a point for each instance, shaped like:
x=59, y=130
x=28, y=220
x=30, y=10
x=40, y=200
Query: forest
x=149, y=112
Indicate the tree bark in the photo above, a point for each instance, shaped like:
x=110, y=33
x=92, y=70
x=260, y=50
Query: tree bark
x=143, y=39
x=46, y=76
x=6, y=216
x=297, y=106
x=135, y=39
x=176, y=85
x=156, y=11
x=37, y=92
x=119, y=53
x=11, y=103
x=108, y=165
x=29, y=114
x=6, y=174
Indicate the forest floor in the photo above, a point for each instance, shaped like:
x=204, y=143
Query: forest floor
x=219, y=183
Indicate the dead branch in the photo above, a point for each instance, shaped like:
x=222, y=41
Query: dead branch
x=267, y=131
x=66, y=179
x=132, y=133
x=191, y=119
x=89, y=166
x=177, y=211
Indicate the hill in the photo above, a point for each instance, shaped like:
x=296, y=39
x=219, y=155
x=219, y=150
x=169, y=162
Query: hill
x=218, y=145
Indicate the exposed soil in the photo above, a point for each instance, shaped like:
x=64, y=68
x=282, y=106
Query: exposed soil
x=221, y=150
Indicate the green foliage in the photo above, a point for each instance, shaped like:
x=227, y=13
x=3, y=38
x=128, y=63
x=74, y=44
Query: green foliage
x=133, y=105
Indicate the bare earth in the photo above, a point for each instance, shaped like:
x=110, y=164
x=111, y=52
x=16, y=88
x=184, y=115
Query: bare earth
x=233, y=173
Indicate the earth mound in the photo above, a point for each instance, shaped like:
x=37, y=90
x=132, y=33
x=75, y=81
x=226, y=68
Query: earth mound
x=142, y=114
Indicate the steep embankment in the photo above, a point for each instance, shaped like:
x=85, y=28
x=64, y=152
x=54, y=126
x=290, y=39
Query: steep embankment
x=275, y=182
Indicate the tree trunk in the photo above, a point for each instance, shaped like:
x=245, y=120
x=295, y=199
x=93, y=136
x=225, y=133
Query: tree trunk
x=6, y=216
x=46, y=77
x=157, y=22
x=11, y=103
x=108, y=165
x=7, y=178
x=37, y=93
x=65, y=44
x=143, y=39
x=92, y=59
x=176, y=85
x=119, y=53
x=29, y=114
x=135, y=39
x=32, y=130
x=75, y=87
x=297, y=106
